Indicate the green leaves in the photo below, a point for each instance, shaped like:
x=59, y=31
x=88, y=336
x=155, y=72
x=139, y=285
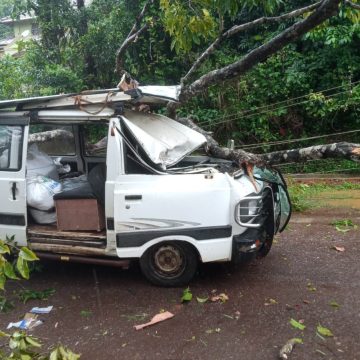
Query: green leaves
x=22, y=267
x=63, y=353
x=27, y=347
x=4, y=248
x=9, y=271
x=324, y=331
x=334, y=304
x=297, y=324
x=187, y=295
x=26, y=295
x=202, y=300
x=27, y=254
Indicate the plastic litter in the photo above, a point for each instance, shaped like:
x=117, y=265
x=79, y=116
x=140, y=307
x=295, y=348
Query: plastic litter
x=43, y=217
x=156, y=319
x=22, y=324
x=25, y=324
x=73, y=183
x=40, y=192
x=43, y=310
x=30, y=319
x=61, y=168
x=39, y=163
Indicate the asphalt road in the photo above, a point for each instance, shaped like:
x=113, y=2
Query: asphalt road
x=95, y=308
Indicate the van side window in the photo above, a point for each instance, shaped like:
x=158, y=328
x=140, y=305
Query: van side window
x=11, y=138
x=95, y=139
x=53, y=139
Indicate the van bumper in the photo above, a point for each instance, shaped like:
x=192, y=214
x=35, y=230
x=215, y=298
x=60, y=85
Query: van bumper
x=244, y=247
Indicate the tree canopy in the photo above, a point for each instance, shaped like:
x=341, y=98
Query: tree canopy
x=262, y=71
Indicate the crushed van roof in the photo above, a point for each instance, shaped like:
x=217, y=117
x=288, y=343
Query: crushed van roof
x=143, y=94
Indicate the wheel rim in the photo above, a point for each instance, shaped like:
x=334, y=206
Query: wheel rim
x=168, y=261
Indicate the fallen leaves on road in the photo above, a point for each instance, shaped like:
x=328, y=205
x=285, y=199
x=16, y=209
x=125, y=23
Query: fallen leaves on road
x=187, y=295
x=211, y=331
x=334, y=304
x=222, y=297
x=202, y=300
x=324, y=331
x=270, y=302
x=311, y=287
x=338, y=248
x=297, y=324
x=344, y=225
x=286, y=350
x=156, y=319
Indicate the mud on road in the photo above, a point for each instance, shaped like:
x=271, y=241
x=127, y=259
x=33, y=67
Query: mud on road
x=95, y=308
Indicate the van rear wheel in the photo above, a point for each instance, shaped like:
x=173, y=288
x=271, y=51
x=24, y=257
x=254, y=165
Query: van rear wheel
x=169, y=264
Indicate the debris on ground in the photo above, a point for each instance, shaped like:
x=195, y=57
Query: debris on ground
x=324, y=331
x=286, y=350
x=27, y=323
x=43, y=310
x=202, y=300
x=338, y=248
x=270, y=302
x=187, y=295
x=30, y=319
x=156, y=319
x=26, y=295
x=222, y=297
x=297, y=324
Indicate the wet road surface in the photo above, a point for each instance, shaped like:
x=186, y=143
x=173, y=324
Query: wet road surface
x=95, y=308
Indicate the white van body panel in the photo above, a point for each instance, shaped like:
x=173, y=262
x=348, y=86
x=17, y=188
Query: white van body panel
x=13, y=189
x=178, y=203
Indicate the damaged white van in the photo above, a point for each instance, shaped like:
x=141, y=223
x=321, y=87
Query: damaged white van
x=90, y=178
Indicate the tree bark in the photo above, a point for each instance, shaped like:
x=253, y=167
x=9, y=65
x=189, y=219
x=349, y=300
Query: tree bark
x=327, y=9
x=243, y=27
x=353, y=5
x=342, y=150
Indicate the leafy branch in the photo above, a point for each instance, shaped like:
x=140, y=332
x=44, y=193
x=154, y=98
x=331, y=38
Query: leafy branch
x=11, y=269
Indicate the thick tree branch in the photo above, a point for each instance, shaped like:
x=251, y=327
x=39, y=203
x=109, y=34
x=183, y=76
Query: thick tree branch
x=243, y=27
x=353, y=5
x=327, y=9
x=134, y=33
x=212, y=147
x=342, y=150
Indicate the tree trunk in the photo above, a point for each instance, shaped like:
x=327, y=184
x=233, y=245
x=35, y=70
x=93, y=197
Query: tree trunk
x=342, y=150
x=326, y=10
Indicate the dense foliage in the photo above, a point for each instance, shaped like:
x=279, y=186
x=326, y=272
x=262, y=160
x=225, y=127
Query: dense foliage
x=311, y=87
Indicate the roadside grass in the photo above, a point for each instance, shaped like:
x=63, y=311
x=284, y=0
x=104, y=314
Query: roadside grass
x=305, y=196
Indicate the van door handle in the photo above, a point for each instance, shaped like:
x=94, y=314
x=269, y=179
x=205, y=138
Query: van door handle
x=133, y=197
x=13, y=190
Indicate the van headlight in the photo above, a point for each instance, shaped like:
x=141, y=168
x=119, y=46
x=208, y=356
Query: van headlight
x=247, y=210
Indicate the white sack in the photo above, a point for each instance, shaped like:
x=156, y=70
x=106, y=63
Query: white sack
x=39, y=163
x=40, y=192
x=43, y=217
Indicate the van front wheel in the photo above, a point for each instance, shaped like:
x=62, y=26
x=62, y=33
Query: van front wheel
x=169, y=264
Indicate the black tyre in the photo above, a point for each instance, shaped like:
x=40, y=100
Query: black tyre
x=266, y=246
x=169, y=263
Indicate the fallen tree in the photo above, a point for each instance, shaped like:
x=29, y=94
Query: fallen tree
x=317, y=12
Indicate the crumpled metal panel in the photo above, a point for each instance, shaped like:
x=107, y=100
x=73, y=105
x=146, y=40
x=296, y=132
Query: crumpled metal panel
x=165, y=141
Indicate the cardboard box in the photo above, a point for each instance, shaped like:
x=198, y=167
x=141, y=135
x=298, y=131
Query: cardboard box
x=79, y=215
